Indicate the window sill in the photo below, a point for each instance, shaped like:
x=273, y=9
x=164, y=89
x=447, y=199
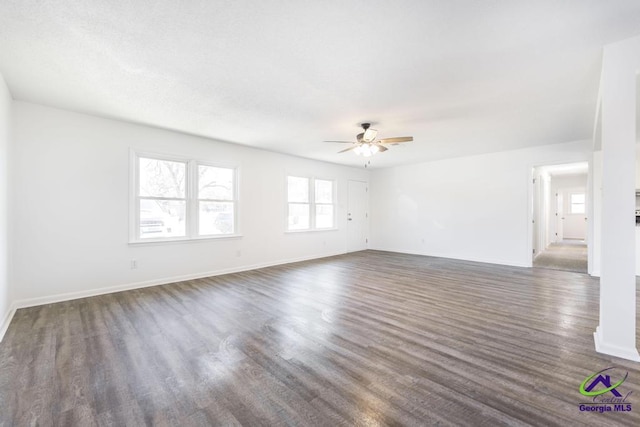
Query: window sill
x=183, y=240
x=314, y=230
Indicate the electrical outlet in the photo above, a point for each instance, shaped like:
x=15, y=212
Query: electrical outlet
x=238, y=253
x=134, y=264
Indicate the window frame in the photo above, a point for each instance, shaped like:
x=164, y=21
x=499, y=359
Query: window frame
x=196, y=199
x=584, y=203
x=191, y=198
x=307, y=203
x=312, y=203
x=316, y=204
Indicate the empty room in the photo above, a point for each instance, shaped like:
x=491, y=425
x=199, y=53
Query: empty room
x=319, y=213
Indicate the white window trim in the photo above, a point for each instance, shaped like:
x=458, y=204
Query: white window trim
x=196, y=200
x=312, y=204
x=191, y=199
x=571, y=212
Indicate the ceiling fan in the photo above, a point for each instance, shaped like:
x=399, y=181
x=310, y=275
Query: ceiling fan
x=366, y=144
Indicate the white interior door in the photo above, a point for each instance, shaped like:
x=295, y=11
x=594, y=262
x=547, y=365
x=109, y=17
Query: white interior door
x=540, y=216
x=575, y=222
x=357, y=216
x=559, y=216
x=536, y=214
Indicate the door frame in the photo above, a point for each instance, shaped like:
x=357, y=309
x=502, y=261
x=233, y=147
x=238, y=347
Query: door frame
x=530, y=169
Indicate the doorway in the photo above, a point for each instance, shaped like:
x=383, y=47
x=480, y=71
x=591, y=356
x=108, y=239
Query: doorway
x=560, y=217
x=357, y=216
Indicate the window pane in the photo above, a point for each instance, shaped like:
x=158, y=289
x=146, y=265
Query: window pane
x=161, y=178
x=577, y=198
x=324, y=216
x=577, y=208
x=578, y=203
x=162, y=218
x=298, y=189
x=216, y=218
x=298, y=216
x=324, y=191
x=215, y=183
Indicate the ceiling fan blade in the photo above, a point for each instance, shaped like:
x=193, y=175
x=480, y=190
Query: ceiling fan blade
x=396, y=140
x=348, y=149
x=341, y=142
x=381, y=147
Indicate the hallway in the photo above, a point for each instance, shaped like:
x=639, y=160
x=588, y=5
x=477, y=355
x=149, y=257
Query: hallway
x=568, y=255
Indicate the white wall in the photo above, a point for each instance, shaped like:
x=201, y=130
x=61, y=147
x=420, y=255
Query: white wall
x=71, y=178
x=5, y=294
x=638, y=164
x=616, y=332
x=475, y=208
x=596, y=214
x=597, y=209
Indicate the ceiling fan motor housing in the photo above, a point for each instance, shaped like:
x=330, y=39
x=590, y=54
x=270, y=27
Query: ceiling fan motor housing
x=369, y=135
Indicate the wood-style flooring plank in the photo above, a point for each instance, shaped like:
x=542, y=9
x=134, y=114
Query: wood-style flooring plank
x=369, y=338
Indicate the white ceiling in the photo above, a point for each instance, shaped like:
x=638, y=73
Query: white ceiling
x=581, y=168
x=462, y=77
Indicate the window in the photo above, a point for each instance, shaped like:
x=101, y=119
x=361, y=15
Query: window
x=310, y=204
x=577, y=205
x=216, y=203
x=299, y=206
x=182, y=199
x=162, y=198
x=324, y=203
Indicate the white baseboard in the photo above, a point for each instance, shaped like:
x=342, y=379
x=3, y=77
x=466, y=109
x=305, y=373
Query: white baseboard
x=629, y=353
x=68, y=296
x=7, y=320
x=471, y=259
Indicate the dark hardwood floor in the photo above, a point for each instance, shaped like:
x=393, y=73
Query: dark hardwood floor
x=370, y=338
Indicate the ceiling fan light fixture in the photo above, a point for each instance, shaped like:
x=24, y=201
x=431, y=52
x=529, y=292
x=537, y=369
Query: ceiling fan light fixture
x=366, y=150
